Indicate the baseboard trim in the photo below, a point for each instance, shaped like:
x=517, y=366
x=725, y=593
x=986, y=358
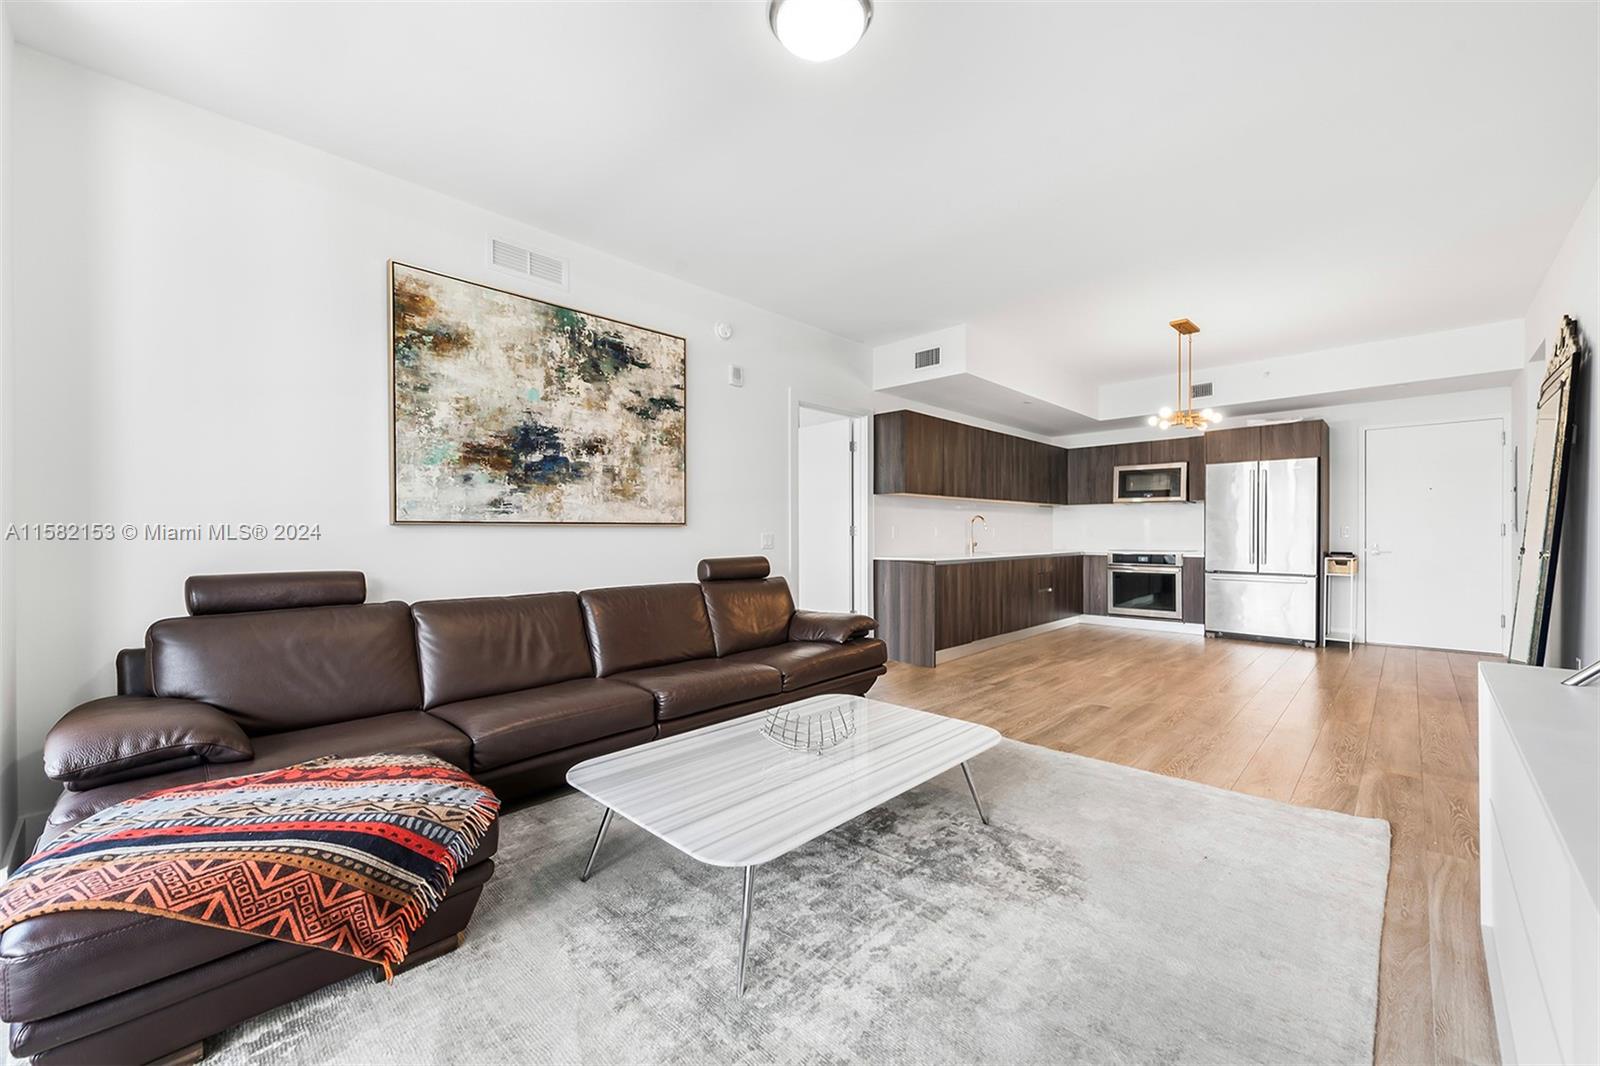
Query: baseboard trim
x=1149, y=625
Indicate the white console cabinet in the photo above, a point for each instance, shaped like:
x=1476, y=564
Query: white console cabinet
x=1539, y=817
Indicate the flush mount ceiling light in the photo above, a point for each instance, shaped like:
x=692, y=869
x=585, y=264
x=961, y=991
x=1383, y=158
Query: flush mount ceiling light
x=819, y=30
x=1185, y=417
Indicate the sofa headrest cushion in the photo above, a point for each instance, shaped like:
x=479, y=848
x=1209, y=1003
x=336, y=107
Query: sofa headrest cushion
x=232, y=593
x=279, y=670
x=636, y=626
x=735, y=568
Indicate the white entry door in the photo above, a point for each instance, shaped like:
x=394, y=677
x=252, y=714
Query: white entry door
x=1435, y=547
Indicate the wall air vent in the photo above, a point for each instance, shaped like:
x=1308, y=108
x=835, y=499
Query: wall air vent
x=926, y=358
x=524, y=262
x=1202, y=389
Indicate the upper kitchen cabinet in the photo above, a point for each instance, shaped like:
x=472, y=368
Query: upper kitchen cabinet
x=1241, y=445
x=1090, y=474
x=1295, y=440
x=926, y=456
x=1307, y=439
x=911, y=453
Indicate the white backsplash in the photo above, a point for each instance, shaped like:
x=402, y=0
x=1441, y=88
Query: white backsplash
x=918, y=526
x=1179, y=527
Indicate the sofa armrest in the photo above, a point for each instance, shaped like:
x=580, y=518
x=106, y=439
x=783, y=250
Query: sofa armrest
x=119, y=738
x=830, y=628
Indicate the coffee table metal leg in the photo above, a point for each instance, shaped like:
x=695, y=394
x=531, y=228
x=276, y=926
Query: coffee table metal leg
x=974, y=790
x=744, y=924
x=605, y=822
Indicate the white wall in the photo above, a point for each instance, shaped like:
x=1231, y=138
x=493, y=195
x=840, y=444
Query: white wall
x=1347, y=424
x=202, y=337
x=1572, y=287
x=8, y=692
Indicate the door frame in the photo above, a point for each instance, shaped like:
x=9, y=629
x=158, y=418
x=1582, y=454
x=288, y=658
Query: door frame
x=861, y=496
x=1362, y=511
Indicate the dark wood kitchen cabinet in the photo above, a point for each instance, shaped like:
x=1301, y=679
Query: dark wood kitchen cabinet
x=1240, y=445
x=1194, y=590
x=1089, y=474
x=926, y=607
x=1295, y=440
x=1067, y=594
x=913, y=453
x=922, y=455
x=1096, y=574
x=1306, y=439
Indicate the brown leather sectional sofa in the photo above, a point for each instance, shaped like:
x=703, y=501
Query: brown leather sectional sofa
x=272, y=669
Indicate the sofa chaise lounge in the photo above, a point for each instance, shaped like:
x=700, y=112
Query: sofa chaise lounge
x=272, y=669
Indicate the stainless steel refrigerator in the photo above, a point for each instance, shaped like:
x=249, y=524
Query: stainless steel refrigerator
x=1262, y=545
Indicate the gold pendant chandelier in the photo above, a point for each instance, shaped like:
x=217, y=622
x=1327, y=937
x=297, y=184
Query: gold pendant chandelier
x=1185, y=416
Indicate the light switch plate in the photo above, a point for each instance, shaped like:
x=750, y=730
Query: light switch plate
x=769, y=540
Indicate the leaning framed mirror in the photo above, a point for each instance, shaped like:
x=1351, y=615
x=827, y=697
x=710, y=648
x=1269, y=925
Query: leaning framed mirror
x=1541, y=531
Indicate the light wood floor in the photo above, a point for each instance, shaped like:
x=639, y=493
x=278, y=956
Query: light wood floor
x=1383, y=732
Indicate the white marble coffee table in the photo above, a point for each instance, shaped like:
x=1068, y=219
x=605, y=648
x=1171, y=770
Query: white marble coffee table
x=729, y=796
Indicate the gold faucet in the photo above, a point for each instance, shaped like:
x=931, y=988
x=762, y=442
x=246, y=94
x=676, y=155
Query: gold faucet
x=972, y=532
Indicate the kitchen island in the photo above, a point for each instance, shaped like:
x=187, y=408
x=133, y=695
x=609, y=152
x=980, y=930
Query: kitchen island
x=924, y=606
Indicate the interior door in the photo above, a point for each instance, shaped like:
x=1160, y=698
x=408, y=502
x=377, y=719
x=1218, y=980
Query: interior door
x=1435, y=548
x=1231, y=517
x=826, y=512
x=1290, y=527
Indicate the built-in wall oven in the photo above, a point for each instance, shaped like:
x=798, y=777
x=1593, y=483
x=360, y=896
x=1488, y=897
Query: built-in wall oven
x=1150, y=482
x=1145, y=584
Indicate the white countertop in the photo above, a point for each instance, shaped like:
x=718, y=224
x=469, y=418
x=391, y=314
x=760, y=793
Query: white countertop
x=988, y=556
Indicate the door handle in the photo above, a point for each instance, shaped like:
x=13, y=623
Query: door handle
x=1375, y=550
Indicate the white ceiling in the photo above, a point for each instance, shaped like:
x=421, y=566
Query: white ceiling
x=1291, y=176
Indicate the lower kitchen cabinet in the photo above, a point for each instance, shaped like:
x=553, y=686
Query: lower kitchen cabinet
x=1194, y=590
x=1067, y=575
x=925, y=607
x=1096, y=578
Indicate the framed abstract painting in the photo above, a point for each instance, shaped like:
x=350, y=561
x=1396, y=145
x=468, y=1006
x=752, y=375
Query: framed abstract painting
x=510, y=410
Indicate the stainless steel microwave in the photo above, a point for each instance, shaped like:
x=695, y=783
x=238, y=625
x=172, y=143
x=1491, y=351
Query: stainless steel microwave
x=1151, y=482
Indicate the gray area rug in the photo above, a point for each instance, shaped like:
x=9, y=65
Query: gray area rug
x=1108, y=915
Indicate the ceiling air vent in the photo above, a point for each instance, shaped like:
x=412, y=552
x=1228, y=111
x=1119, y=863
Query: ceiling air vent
x=514, y=259
x=927, y=357
x=1202, y=389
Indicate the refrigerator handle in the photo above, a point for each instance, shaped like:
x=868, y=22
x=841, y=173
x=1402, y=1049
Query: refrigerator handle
x=1261, y=516
x=1255, y=518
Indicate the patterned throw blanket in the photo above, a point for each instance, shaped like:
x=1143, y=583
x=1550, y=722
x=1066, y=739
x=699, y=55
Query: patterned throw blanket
x=348, y=855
